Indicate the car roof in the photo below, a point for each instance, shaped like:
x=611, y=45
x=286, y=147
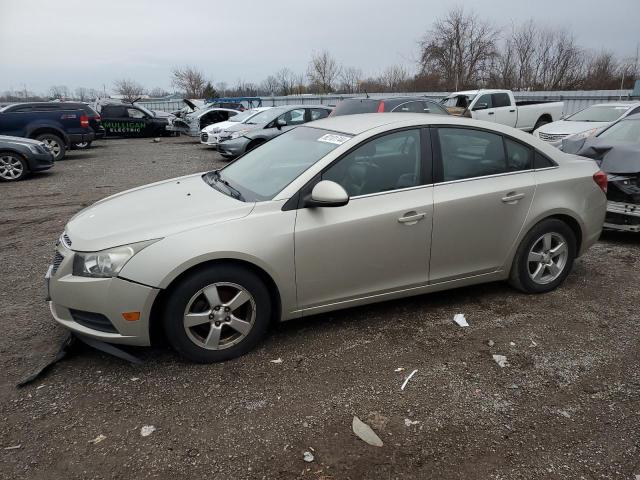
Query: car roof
x=616, y=104
x=635, y=116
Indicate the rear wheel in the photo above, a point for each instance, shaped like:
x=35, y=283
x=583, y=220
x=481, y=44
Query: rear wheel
x=544, y=258
x=217, y=314
x=540, y=123
x=55, y=144
x=12, y=167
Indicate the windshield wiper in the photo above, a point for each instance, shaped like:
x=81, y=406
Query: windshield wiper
x=234, y=192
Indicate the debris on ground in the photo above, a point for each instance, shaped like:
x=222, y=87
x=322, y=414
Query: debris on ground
x=399, y=369
x=513, y=344
x=564, y=413
x=134, y=379
x=277, y=360
x=308, y=457
x=407, y=379
x=501, y=360
x=408, y=422
x=67, y=343
x=13, y=447
x=460, y=320
x=365, y=433
x=377, y=420
x=156, y=140
x=491, y=343
x=147, y=430
x=98, y=439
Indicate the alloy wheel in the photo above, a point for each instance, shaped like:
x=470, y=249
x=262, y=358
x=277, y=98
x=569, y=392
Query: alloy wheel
x=219, y=316
x=547, y=258
x=11, y=168
x=53, y=145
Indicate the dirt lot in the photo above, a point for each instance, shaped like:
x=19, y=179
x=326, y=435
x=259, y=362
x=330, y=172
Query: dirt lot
x=566, y=407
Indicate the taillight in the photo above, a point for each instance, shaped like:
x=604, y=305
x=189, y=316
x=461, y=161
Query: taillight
x=381, y=106
x=97, y=118
x=601, y=180
x=84, y=121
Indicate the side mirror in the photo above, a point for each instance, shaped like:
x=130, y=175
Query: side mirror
x=480, y=106
x=281, y=123
x=327, y=194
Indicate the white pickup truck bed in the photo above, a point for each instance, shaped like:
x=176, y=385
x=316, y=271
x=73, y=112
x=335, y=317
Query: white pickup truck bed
x=499, y=106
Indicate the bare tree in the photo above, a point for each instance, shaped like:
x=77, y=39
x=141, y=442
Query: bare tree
x=129, y=89
x=59, y=92
x=222, y=88
x=158, y=92
x=323, y=71
x=394, y=77
x=82, y=93
x=270, y=85
x=350, y=79
x=459, y=48
x=189, y=80
x=286, y=81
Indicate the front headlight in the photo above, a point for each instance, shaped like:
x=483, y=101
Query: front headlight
x=585, y=134
x=36, y=148
x=238, y=134
x=106, y=263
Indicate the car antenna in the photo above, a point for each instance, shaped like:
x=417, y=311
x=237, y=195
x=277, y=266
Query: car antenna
x=366, y=94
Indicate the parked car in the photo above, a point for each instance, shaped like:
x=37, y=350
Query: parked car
x=57, y=124
x=586, y=122
x=616, y=150
x=210, y=135
x=500, y=106
x=21, y=156
x=95, y=122
x=192, y=123
x=350, y=106
x=132, y=120
x=337, y=213
x=235, y=141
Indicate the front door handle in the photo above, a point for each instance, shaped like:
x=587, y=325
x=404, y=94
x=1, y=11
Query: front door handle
x=512, y=111
x=512, y=197
x=491, y=113
x=411, y=218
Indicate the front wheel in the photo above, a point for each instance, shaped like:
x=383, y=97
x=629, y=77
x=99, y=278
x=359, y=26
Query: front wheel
x=217, y=314
x=55, y=144
x=12, y=167
x=544, y=258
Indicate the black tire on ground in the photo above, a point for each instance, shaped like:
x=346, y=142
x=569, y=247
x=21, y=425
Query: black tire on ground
x=540, y=123
x=520, y=276
x=12, y=167
x=182, y=295
x=56, y=144
x=81, y=146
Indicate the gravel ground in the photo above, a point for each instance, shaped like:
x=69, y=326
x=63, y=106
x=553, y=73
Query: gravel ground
x=567, y=405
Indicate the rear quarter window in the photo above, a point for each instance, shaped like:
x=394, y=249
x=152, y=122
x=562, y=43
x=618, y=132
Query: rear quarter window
x=542, y=161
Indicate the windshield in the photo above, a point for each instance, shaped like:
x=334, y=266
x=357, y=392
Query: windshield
x=460, y=101
x=145, y=110
x=267, y=115
x=600, y=113
x=624, y=131
x=263, y=172
x=241, y=117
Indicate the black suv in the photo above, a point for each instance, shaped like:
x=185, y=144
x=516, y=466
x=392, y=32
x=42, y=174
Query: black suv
x=350, y=106
x=95, y=122
x=130, y=120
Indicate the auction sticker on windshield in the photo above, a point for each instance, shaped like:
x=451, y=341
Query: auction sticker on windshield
x=335, y=139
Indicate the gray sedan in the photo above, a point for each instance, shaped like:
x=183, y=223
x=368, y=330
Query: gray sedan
x=341, y=212
x=21, y=156
x=267, y=125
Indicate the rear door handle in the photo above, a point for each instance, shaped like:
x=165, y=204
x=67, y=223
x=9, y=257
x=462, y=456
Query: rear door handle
x=512, y=197
x=512, y=111
x=411, y=218
x=491, y=113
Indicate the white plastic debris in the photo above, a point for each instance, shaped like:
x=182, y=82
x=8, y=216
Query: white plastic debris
x=98, y=439
x=407, y=379
x=460, y=320
x=491, y=343
x=277, y=360
x=308, y=457
x=513, y=344
x=501, y=360
x=408, y=422
x=156, y=140
x=399, y=369
x=365, y=433
x=134, y=379
x=147, y=430
x=533, y=344
x=564, y=413
x=13, y=447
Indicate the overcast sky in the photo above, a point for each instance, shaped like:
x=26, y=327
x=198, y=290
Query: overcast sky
x=84, y=43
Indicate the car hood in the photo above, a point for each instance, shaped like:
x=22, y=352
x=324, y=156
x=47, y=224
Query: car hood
x=215, y=127
x=19, y=140
x=244, y=126
x=152, y=211
x=564, y=127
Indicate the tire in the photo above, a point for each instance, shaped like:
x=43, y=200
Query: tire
x=540, y=123
x=55, y=143
x=82, y=146
x=12, y=167
x=533, y=257
x=213, y=333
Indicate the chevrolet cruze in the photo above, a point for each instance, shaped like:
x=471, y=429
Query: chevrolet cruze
x=340, y=212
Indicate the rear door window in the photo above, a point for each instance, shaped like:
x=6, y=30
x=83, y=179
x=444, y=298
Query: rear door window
x=469, y=153
x=134, y=113
x=500, y=100
x=318, y=113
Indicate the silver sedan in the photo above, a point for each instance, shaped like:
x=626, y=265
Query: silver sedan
x=340, y=212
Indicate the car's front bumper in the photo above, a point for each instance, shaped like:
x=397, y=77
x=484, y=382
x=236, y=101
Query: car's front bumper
x=93, y=307
x=233, y=148
x=209, y=139
x=622, y=216
x=40, y=161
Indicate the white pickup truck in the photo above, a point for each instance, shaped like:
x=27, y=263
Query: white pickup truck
x=500, y=106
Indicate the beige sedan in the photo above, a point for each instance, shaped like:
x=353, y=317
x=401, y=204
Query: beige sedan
x=340, y=212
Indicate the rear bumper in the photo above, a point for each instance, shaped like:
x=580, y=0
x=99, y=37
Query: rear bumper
x=622, y=216
x=93, y=307
x=40, y=161
x=81, y=137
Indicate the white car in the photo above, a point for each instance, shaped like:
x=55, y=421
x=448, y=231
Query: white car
x=586, y=122
x=500, y=106
x=210, y=135
x=192, y=123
